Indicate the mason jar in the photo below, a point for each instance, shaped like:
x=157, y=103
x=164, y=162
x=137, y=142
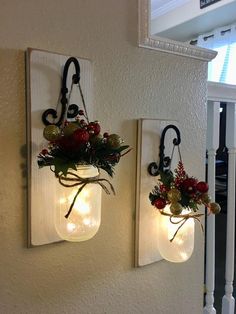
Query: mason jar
x=175, y=245
x=85, y=218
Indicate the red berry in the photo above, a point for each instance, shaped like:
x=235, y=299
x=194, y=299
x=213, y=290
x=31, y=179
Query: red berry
x=159, y=203
x=95, y=127
x=80, y=137
x=202, y=187
x=44, y=152
x=83, y=124
x=105, y=135
x=81, y=112
x=163, y=188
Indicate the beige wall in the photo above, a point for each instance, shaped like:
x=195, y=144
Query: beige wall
x=129, y=82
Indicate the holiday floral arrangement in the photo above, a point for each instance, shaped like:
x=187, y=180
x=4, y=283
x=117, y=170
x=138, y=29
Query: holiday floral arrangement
x=80, y=142
x=180, y=191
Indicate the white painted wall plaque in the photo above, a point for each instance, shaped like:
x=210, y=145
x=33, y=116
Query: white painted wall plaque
x=44, y=74
x=149, y=133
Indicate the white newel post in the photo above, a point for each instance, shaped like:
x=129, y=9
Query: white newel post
x=228, y=302
x=213, y=119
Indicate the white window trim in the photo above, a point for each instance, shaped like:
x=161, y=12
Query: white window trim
x=221, y=92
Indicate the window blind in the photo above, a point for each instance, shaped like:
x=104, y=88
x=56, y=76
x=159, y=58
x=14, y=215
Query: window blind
x=222, y=69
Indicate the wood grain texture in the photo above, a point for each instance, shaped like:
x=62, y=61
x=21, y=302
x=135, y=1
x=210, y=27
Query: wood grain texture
x=44, y=71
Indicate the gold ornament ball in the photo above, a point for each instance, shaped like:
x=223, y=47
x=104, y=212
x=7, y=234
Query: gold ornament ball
x=114, y=141
x=176, y=208
x=70, y=129
x=205, y=198
x=215, y=208
x=51, y=132
x=174, y=195
x=96, y=139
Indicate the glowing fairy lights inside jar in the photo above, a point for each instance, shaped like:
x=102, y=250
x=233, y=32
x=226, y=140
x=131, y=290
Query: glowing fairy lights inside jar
x=84, y=220
x=175, y=245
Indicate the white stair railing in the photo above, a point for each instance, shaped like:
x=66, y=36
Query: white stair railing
x=221, y=93
x=213, y=114
x=228, y=302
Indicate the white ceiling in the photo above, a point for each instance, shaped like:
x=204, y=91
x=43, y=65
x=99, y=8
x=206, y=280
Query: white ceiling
x=224, y=15
x=161, y=7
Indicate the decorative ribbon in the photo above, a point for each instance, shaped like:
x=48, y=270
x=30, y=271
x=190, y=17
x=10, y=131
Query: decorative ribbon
x=182, y=221
x=75, y=180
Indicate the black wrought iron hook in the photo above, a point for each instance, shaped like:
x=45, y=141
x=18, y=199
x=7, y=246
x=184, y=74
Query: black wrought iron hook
x=154, y=169
x=73, y=108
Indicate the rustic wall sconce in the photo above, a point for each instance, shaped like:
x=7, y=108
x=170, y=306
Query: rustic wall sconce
x=78, y=209
x=175, y=231
x=44, y=84
x=175, y=197
x=65, y=187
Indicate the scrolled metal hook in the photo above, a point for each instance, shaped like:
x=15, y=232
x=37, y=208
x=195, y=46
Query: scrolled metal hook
x=153, y=168
x=73, y=108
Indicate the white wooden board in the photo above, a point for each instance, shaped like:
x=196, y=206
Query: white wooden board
x=44, y=73
x=149, y=133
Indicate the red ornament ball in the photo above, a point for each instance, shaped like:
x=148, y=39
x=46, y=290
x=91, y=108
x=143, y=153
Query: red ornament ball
x=202, y=187
x=80, y=137
x=159, y=203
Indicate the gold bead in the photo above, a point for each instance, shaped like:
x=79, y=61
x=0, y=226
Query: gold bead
x=174, y=195
x=205, y=198
x=70, y=129
x=51, y=132
x=114, y=141
x=214, y=208
x=96, y=139
x=176, y=208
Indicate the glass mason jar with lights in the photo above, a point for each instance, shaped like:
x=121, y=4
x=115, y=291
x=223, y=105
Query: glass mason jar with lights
x=175, y=236
x=85, y=218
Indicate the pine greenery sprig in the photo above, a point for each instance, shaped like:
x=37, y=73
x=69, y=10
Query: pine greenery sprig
x=80, y=143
